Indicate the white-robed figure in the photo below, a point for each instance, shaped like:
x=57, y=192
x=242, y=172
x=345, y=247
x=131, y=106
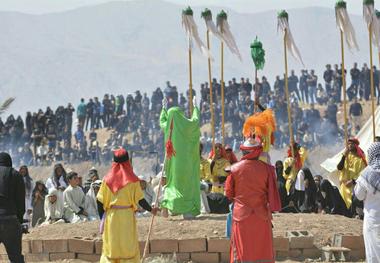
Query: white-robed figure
x=367, y=189
x=91, y=205
x=53, y=208
x=149, y=194
x=58, y=180
x=74, y=200
x=29, y=186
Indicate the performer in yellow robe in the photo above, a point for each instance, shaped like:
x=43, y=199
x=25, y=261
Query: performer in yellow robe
x=205, y=173
x=352, y=163
x=292, y=165
x=218, y=164
x=120, y=194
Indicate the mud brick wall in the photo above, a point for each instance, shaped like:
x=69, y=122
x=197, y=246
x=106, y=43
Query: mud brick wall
x=295, y=245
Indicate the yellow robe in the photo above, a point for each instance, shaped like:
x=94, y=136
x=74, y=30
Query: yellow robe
x=353, y=165
x=205, y=172
x=291, y=177
x=218, y=170
x=120, y=241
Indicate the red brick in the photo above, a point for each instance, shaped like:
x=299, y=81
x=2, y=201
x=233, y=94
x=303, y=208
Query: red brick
x=192, y=245
x=98, y=247
x=55, y=246
x=295, y=253
x=224, y=257
x=205, y=257
x=349, y=241
x=163, y=246
x=357, y=254
x=218, y=245
x=61, y=256
x=311, y=253
x=88, y=257
x=36, y=246
x=84, y=246
x=183, y=257
x=42, y=257
x=281, y=243
x=300, y=239
x=26, y=247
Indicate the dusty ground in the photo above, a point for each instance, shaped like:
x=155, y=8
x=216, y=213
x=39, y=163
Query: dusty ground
x=321, y=226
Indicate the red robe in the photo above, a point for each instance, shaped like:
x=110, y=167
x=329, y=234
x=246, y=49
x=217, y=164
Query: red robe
x=252, y=187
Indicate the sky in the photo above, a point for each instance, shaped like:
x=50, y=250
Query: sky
x=243, y=6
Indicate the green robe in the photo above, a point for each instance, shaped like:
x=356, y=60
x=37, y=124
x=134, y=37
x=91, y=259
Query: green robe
x=182, y=193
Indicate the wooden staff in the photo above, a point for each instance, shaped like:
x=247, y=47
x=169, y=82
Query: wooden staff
x=344, y=90
x=222, y=85
x=287, y=96
x=211, y=93
x=190, y=84
x=372, y=83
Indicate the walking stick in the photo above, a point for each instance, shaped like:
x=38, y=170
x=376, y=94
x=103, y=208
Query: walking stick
x=168, y=154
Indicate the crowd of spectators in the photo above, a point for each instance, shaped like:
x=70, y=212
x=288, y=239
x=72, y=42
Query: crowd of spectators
x=47, y=136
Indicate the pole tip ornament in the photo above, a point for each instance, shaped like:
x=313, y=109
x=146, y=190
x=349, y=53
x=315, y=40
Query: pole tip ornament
x=340, y=4
x=222, y=15
x=283, y=14
x=206, y=14
x=188, y=11
x=258, y=53
x=368, y=2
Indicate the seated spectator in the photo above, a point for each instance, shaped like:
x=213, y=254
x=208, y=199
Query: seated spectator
x=39, y=193
x=74, y=201
x=92, y=205
x=53, y=208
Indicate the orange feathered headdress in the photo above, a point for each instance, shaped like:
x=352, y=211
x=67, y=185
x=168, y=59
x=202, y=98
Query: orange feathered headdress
x=260, y=124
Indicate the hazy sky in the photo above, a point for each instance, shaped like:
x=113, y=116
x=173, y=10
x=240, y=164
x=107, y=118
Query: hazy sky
x=46, y=6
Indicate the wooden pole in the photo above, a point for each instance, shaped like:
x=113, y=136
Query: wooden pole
x=211, y=93
x=372, y=83
x=287, y=96
x=344, y=90
x=190, y=84
x=222, y=86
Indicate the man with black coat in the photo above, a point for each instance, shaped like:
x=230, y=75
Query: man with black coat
x=12, y=208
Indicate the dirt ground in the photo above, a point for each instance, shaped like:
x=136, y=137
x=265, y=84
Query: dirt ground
x=321, y=226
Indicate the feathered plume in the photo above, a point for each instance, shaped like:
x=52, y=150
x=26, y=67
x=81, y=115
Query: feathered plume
x=192, y=31
x=6, y=104
x=343, y=22
x=225, y=32
x=283, y=25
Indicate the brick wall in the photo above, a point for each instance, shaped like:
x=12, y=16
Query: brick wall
x=295, y=245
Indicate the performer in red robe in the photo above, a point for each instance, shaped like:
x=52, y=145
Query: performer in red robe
x=252, y=187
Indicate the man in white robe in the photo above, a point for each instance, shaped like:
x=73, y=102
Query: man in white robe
x=367, y=189
x=74, y=200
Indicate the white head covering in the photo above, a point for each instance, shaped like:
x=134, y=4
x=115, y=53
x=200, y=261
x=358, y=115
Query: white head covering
x=53, y=211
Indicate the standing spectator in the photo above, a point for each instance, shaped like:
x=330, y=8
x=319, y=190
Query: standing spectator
x=293, y=84
x=304, y=86
x=355, y=78
x=90, y=118
x=312, y=81
x=81, y=112
x=38, y=195
x=29, y=185
x=328, y=77
x=356, y=112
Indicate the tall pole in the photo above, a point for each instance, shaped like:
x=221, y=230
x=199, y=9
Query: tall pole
x=211, y=93
x=190, y=84
x=372, y=84
x=344, y=90
x=222, y=85
x=287, y=96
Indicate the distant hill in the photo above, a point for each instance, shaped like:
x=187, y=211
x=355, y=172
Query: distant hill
x=120, y=47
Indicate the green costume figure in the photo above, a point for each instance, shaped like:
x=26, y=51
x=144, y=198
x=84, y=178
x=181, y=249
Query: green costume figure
x=182, y=192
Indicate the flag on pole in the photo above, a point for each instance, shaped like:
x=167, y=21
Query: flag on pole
x=225, y=32
x=343, y=22
x=211, y=27
x=192, y=31
x=258, y=54
x=283, y=25
x=371, y=20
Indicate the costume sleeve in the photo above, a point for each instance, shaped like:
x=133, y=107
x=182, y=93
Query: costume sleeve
x=360, y=189
x=229, y=187
x=104, y=195
x=207, y=171
x=163, y=119
x=287, y=168
x=138, y=194
x=273, y=194
x=340, y=165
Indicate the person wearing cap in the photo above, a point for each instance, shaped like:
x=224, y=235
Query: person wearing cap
x=251, y=186
x=120, y=195
x=53, y=208
x=218, y=164
x=12, y=208
x=353, y=161
x=74, y=200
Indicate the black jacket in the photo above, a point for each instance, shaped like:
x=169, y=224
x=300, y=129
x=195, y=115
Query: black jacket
x=12, y=193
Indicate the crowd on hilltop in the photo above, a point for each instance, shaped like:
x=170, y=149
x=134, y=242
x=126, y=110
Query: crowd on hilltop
x=44, y=137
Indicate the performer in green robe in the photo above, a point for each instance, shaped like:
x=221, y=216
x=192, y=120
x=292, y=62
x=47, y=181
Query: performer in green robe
x=182, y=192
